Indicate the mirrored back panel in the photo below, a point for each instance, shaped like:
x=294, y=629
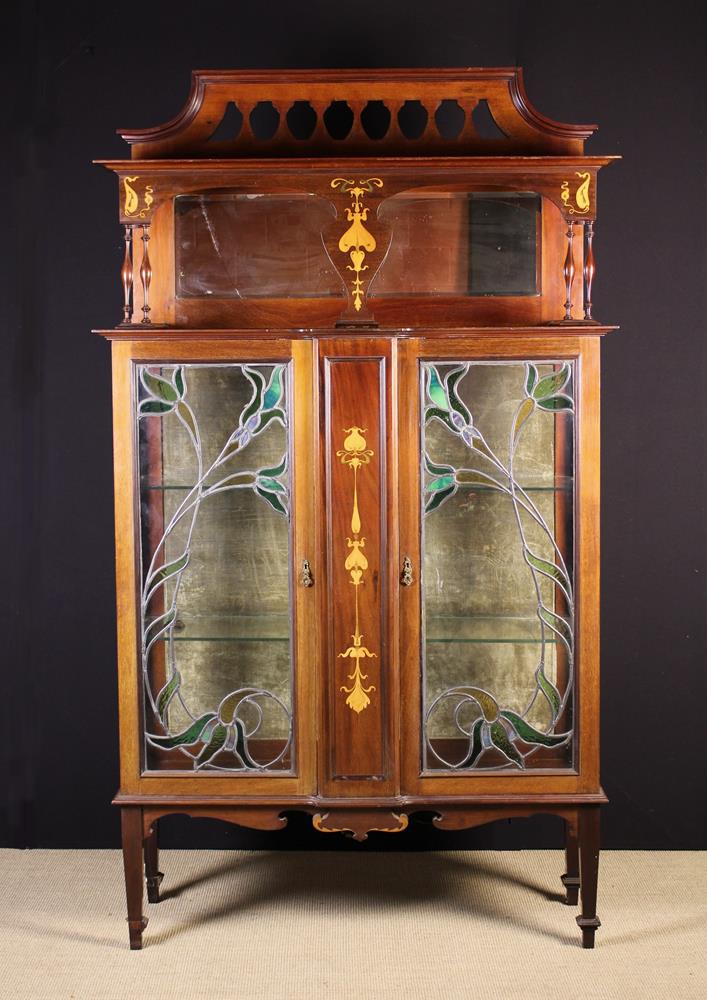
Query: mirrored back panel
x=236, y=245
x=231, y=244
x=216, y=645
x=459, y=243
x=498, y=566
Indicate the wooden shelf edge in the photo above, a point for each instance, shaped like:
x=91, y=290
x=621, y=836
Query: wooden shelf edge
x=410, y=803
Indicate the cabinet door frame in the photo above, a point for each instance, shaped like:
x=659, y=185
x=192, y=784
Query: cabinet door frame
x=339, y=722
x=521, y=346
x=303, y=541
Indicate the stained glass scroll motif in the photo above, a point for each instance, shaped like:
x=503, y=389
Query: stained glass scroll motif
x=215, y=582
x=498, y=618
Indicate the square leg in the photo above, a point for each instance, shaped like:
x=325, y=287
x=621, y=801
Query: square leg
x=589, y=872
x=131, y=827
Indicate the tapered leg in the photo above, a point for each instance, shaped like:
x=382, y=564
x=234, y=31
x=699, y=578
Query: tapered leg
x=131, y=825
x=589, y=872
x=153, y=876
x=570, y=879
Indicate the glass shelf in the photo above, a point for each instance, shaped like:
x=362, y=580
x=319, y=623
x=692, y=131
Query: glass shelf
x=231, y=628
x=440, y=629
x=478, y=629
x=562, y=485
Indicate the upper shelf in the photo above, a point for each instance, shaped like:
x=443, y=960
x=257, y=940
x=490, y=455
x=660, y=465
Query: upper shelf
x=310, y=113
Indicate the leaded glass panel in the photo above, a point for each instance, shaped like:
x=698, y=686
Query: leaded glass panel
x=497, y=582
x=215, y=579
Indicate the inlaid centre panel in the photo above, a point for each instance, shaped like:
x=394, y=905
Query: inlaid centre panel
x=357, y=647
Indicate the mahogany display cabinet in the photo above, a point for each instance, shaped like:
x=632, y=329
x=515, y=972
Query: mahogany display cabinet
x=356, y=432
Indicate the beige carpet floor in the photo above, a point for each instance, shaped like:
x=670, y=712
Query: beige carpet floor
x=275, y=926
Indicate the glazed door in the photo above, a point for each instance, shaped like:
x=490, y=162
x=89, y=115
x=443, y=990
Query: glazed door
x=218, y=440
x=498, y=630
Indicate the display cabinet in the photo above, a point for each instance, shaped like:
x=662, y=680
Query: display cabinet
x=356, y=412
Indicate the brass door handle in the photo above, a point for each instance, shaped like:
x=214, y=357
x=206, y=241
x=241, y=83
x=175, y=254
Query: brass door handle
x=406, y=575
x=306, y=578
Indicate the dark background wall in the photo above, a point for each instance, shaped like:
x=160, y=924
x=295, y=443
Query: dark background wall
x=79, y=70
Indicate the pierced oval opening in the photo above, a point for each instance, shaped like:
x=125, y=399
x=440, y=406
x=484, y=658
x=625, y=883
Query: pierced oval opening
x=485, y=124
x=230, y=125
x=449, y=119
x=412, y=119
x=302, y=119
x=375, y=119
x=264, y=120
x=338, y=119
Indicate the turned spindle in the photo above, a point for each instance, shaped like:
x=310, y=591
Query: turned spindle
x=145, y=274
x=568, y=270
x=126, y=276
x=589, y=268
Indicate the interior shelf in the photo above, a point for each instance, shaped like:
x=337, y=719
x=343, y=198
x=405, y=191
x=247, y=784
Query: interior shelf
x=231, y=628
x=492, y=629
x=439, y=629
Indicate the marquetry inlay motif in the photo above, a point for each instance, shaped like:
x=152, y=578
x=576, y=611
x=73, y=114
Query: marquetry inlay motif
x=357, y=241
x=131, y=204
x=581, y=197
x=356, y=454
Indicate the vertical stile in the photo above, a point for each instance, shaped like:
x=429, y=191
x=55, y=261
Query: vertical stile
x=126, y=276
x=568, y=270
x=589, y=268
x=145, y=274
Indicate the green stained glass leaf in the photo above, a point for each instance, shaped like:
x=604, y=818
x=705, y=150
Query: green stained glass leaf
x=548, y=569
x=500, y=739
x=167, y=693
x=159, y=625
x=438, y=498
x=153, y=406
x=442, y=483
x=273, y=499
x=164, y=572
x=437, y=470
x=433, y=411
x=472, y=477
x=531, y=735
x=555, y=403
x=550, y=384
x=524, y=411
x=276, y=470
x=273, y=393
x=435, y=389
x=218, y=736
x=179, y=381
x=258, y=383
x=271, y=484
x=187, y=737
x=558, y=625
x=476, y=745
x=454, y=400
x=549, y=690
x=188, y=417
x=241, y=746
x=269, y=415
x=531, y=377
x=159, y=387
